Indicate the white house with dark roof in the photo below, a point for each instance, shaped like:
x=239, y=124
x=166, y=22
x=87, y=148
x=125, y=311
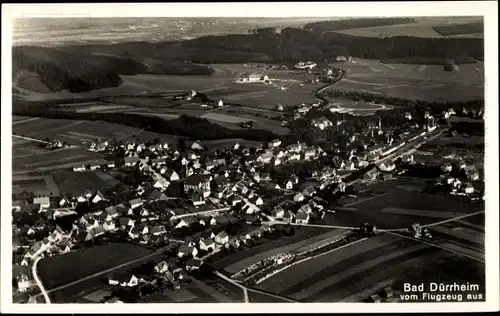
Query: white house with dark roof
x=161, y=183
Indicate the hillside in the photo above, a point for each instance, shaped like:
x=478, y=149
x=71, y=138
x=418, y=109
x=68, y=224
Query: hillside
x=81, y=68
x=77, y=70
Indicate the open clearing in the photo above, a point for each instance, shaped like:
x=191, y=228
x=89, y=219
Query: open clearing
x=362, y=268
x=60, y=270
x=422, y=82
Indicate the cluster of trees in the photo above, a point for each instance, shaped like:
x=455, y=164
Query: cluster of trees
x=78, y=70
x=407, y=48
x=254, y=113
x=189, y=126
x=326, y=26
x=457, y=29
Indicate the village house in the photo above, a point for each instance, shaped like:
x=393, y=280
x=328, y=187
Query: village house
x=207, y=234
x=140, y=229
x=309, y=153
x=161, y=267
x=321, y=123
x=197, y=199
x=131, y=161
x=109, y=226
x=447, y=167
x=158, y=230
x=257, y=200
x=161, y=183
x=64, y=201
x=221, y=238
x=387, y=166
x=97, y=197
x=265, y=157
x=274, y=143
x=157, y=196
x=186, y=222
x=186, y=250
x=309, y=191
x=123, y=280
x=469, y=189
x=24, y=283
x=111, y=211
x=206, y=244
x=125, y=222
x=197, y=145
x=298, y=197
x=79, y=168
x=193, y=264
x=43, y=201
x=135, y=203
x=302, y=217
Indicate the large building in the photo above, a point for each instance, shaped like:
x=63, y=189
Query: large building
x=305, y=65
x=254, y=77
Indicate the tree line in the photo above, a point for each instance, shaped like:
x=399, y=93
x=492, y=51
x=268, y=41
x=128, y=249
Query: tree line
x=188, y=126
x=326, y=26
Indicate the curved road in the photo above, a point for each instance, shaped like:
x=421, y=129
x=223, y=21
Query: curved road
x=39, y=282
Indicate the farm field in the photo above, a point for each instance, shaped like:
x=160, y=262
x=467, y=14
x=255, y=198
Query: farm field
x=356, y=272
x=267, y=96
x=392, y=198
x=38, y=185
x=423, y=82
x=75, y=132
x=103, y=257
x=75, y=183
x=27, y=158
x=253, y=254
x=422, y=28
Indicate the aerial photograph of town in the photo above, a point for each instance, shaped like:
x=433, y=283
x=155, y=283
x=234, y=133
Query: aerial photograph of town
x=248, y=160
